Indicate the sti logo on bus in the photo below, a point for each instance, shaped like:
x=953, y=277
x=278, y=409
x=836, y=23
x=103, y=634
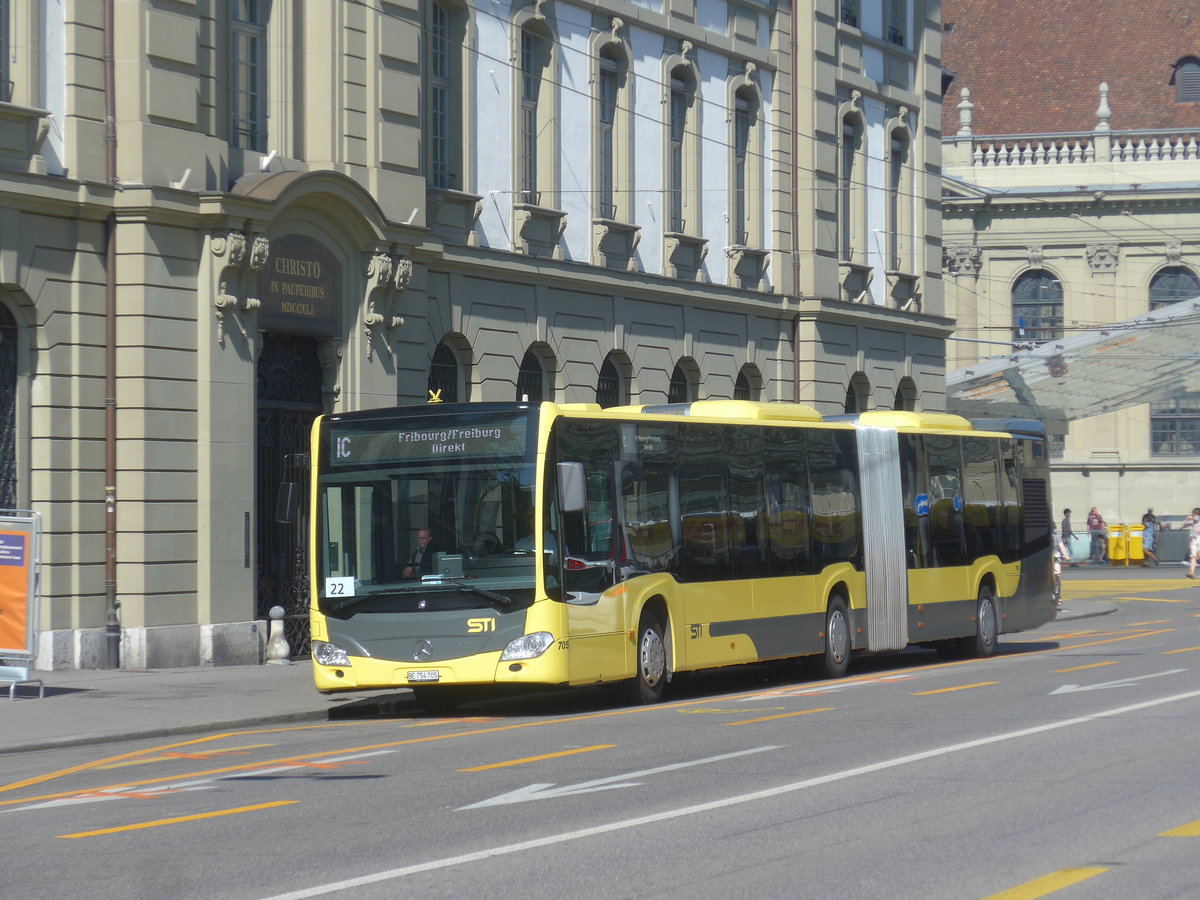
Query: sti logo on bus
x=342, y=448
x=478, y=626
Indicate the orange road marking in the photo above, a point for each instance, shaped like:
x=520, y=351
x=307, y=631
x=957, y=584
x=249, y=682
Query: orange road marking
x=529, y=759
x=803, y=712
x=1192, y=829
x=772, y=692
x=177, y=819
x=1180, y=650
x=1110, y=662
x=961, y=687
x=1048, y=884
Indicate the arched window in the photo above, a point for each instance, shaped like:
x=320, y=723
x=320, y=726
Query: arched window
x=8, y=410
x=857, y=393
x=682, y=151
x=536, y=129
x=745, y=226
x=682, y=389
x=613, y=127
x=610, y=390
x=531, y=379
x=741, y=388
x=1186, y=79
x=900, y=205
x=445, y=34
x=1037, y=304
x=850, y=190
x=906, y=394
x=443, y=374
x=1172, y=284
x=1175, y=420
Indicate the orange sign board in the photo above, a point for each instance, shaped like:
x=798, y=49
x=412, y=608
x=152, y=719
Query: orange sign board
x=15, y=592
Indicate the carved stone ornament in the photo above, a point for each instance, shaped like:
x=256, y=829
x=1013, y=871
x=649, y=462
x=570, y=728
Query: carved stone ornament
x=330, y=354
x=1174, y=252
x=962, y=259
x=1036, y=255
x=231, y=281
x=1103, y=257
x=384, y=274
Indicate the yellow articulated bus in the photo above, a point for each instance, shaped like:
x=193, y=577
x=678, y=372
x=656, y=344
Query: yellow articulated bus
x=573, y=545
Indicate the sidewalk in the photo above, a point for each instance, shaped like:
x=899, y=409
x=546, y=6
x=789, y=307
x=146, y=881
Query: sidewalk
x=99, y=706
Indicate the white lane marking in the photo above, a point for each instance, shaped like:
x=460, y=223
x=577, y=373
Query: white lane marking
x=550, y=792
x=1123, y=682
x=769, y=793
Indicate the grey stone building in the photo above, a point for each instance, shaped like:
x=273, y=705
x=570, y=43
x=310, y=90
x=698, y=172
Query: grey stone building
x=218, y=220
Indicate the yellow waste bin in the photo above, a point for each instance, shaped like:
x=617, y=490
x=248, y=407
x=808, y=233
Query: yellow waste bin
x=1117, y=541
x=1133, y=550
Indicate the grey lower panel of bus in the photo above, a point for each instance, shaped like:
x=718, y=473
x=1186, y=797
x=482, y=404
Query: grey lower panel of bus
x=426, y=636
x=883, y=539
x=779, y=636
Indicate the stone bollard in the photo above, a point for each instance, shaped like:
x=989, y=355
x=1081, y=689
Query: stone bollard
x=278, y=651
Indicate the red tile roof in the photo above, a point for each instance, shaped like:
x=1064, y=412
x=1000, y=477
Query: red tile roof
x=1034, y=66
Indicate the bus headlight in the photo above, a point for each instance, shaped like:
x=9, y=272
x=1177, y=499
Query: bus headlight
x=328, y=654
x=528, y=646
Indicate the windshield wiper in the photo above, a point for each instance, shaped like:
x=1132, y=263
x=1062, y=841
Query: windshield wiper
x=482, y=592
x=346, y=602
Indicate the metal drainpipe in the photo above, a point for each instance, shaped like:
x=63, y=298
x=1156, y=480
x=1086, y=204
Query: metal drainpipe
x=112, y=627
x=795, y=224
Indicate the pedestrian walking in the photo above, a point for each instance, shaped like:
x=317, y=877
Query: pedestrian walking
x=1192, y=525
x=1066, y=534
x=1099, y=532
x=1149, y=533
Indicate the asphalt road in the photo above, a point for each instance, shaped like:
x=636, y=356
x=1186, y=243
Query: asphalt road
x=1064, y=766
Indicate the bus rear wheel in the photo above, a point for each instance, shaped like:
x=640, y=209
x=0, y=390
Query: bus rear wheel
x=986, y=628
x=837, y=638
x=650, y=676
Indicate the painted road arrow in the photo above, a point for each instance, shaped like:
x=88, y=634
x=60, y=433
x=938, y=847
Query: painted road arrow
x=1124, y=682
x=550, y=792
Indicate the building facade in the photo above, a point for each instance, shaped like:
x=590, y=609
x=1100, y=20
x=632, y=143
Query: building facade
x=1072, y=201
x=218, y=220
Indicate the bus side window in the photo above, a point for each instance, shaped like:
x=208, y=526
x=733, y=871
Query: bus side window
x=915, y=491
x=703, y=504
x=837, y=520
x=586, y=541
x=981, y=489
x=788, y=515
x=945, y=500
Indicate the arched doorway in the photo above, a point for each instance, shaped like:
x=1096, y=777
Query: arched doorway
x=289, y=397
x=8, y=410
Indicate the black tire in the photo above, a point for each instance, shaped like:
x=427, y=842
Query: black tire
x=650, y=661
x=838, y=638
x=986, y=624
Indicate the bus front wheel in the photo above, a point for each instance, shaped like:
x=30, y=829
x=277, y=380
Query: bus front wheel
x=837, y=638
x=986, y=629
x=650, y=677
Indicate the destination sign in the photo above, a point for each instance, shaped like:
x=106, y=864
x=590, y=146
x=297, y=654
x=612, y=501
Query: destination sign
x=428, y=442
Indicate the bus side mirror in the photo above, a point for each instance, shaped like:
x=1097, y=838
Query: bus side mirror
x=572, y=487
x=286, y=503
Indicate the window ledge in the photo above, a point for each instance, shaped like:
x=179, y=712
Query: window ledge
x=453, y=214
x=747, y=265
x=23, y=130
x=905, y=290
x=855, y=280
x=538, y=229
x=684, y=255
x=614, y=244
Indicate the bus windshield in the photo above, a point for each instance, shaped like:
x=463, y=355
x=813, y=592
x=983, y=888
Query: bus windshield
x=425, y=512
